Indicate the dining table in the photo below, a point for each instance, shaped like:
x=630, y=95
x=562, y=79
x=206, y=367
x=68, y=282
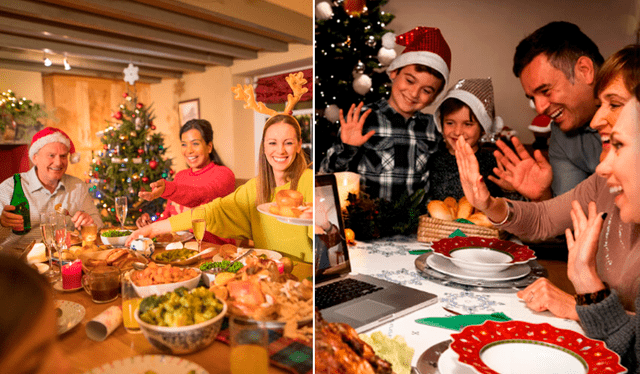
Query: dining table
x=394, y=259
x=84, y=354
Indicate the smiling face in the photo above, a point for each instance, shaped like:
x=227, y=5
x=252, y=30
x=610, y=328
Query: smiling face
x=621, y=166
x=412, y=90
x=612, y=99
x=461, y=123
x=281, y=147
x=570, y=105
x=51, y=163
x=195, y=149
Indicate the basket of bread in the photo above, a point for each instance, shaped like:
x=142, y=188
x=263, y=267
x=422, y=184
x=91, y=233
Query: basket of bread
x=449, y=215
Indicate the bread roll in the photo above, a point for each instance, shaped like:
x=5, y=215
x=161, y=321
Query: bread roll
x=438, y=209
x=452, y=204
x=465, y=209
x=480, y=219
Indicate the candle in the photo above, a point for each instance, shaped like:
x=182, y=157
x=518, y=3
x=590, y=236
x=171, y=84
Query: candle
x=347, y=182
x=71, y=275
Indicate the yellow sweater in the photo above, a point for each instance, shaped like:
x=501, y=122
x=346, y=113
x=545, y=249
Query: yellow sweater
x=236, y=216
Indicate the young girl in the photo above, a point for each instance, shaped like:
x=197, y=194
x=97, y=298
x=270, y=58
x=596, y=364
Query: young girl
x=467, y=111
x=282, y=166
x=206, y=179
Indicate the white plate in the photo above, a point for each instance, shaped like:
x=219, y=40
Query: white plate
x=72, y=315
x=448, y=364
x=156, y=363
x=264, y=209
x=58, y=287
x=445, y=266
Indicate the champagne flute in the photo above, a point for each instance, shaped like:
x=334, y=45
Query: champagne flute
x=121, y=209
x=198, y=223
x=46, y=228
x=60, y=234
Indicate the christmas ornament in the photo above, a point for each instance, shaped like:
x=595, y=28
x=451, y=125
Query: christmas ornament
x=118, y=115
x=371, y=41
x=324, y=11
x=359, y=69
x=136, y=160
x=171, y=171
x=129, y=98
x=138, y=122
x=145, y=179
x=139, y=106
x=153, y=127
x=140, y=151
x=135, y=177
x=386, y=56
x=354, y=7
x=362, y=84
x=133, y=134
x=149, y=138
x=350, y=236
x=123, y=137
x=131, y=74
x=106, y=147
x=332, y=113
x=389, y=40
x=125, y=95
x=153, y=164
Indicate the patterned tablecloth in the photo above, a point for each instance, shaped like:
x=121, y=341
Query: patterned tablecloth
x=389, y=259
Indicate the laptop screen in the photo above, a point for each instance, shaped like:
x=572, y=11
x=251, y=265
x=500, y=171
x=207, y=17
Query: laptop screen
x=331, y=254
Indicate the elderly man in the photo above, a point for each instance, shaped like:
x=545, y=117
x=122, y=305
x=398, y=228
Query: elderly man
x=557, y=65
x=46, y=185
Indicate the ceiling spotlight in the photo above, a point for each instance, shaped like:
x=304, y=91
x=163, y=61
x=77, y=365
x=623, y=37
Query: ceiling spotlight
x=46, y=60
x=66, y=64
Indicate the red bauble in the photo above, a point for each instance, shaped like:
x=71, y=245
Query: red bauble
x=125, y=95
x=153, y=127
x=95, y=174
x=153, y=164
x=106, y=147
x=145, y=179
x=171, y=171
x=354, y=7
x=118, y=115
x=139, y=105
x=88, y=181
x=140, y=151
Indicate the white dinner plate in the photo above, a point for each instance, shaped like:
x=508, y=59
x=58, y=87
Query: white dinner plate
x=58, y=287
x=159, y=364
x=264, y=209
x=445, y=266
x=448, y=364
x=72, y=315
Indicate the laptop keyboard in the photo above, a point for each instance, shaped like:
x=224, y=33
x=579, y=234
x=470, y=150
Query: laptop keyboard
x=341, y=291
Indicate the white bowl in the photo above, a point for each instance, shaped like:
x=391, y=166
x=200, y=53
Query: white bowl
x=481, y=260
x=184, y=339
x=159, y=289
x=117, y=241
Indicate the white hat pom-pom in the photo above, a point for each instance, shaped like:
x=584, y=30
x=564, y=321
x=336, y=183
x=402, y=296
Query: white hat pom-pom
x=324, y=10
x=362, y=84
x=332, y=113
x=386, y=56
x=389, y=40
x=74, y=158
x=498, y=124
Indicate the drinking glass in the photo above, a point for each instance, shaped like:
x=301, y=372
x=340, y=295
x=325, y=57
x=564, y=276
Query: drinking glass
x=60, y=234
x=46, y=228
x=121, y=209
x=198, y=223
x=130, y=302
x=249, y=341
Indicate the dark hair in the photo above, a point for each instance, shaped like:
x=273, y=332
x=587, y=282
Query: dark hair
x=204, y=127
x=452, y=105
x=625, y=62
x=424, y=68
x=562, y=42
x=266, y=182
x=24, y=294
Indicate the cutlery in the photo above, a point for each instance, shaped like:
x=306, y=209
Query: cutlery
x=208, y=250
x=220, y=270
x=428, y=361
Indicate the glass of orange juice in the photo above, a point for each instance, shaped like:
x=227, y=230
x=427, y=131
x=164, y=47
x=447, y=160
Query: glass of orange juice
x=249, y=341
x=130, y=302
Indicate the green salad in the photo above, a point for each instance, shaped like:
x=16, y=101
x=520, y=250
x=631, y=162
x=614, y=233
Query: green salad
x=180, y=307
x=222, y=264
x=116, y=233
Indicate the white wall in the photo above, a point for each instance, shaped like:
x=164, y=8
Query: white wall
x=483, y=35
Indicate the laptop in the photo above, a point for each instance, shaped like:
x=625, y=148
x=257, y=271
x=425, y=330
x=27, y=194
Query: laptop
x=371, y=302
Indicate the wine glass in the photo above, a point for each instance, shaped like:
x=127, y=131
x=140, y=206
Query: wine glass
x=121, y=209
x=198, y=223
x=60, y=234
x=46, y=228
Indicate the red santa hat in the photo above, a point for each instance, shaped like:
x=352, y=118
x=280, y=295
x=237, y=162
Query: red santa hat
x=52, y=135
x=424, y=46
x=541, y=123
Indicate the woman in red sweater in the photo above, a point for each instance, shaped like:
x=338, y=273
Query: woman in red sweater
x=206, y=179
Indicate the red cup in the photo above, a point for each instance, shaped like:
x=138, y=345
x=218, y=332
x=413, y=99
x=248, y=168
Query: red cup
x=72, y=275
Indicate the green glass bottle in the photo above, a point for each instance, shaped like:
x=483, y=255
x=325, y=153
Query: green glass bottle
x=19, y=200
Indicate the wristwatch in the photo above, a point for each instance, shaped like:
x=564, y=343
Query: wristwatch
x=594, y=297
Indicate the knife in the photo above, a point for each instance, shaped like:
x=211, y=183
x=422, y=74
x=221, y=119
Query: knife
x=28, y=249
x=428, y=361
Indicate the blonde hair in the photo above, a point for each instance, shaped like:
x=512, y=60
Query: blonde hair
x=266, y=182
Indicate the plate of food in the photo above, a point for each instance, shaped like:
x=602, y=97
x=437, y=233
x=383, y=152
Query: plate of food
x=289, y=207
x=157, y=364
x=70, y=314
x=509, y=347
x=482, y=255
x=299, y=221
x=115, y=237
x=172, y=237
x=181, y=256
x=121, y=258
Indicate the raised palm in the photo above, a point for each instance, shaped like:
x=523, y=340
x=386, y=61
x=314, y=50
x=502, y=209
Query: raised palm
x=351, y=127
x=470, y=178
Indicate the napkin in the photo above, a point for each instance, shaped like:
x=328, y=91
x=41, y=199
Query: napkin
x=456, y=233
x=37, y=254
x=459, y=322
x=104, y=323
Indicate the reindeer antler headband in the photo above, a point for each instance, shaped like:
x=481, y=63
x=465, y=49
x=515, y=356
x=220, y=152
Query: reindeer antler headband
x=296, y=82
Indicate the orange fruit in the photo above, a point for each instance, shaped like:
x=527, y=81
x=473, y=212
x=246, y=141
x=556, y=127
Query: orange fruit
x=350, y=236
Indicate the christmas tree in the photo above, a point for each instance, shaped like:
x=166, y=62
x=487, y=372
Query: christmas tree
x=133, y=157
x=353, y=50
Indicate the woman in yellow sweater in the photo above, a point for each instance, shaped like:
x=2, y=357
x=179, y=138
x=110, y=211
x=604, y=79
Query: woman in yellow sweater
x=282, y=166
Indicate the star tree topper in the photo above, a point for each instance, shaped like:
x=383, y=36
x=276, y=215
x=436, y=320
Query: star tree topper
x=131, y=74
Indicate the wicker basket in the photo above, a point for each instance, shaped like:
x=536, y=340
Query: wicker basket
x=431, y=229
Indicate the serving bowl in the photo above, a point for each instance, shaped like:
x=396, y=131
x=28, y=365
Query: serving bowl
x=116, y=241
x=184, y=339
x=159, y=289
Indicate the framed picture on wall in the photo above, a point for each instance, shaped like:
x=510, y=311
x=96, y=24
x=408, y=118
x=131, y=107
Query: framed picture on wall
x=188, y=110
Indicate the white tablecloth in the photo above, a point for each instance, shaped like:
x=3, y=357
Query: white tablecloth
x=390, y=259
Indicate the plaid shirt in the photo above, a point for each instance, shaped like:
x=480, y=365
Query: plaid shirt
x=395, y=159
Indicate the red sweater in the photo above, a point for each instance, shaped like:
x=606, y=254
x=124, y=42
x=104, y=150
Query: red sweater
x=190, y=189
